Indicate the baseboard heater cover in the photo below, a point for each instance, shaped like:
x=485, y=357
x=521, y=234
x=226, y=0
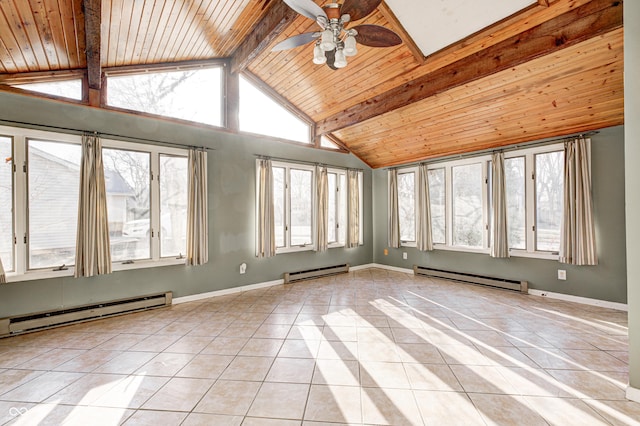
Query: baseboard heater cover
x=308, y=274
x=55, y=318
x=503, y=283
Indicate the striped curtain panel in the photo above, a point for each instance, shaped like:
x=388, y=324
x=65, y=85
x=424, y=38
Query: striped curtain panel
x=353, y=208
x=424, y=237
x=499, y=228
x=93, y=250
x=322, y=214
x=266, y=235
x=393, y=215
x=3, y=276
x=197, y=210
x=578, y=242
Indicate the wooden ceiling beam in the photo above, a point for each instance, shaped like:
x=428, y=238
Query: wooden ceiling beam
x=92, y=22
x=278, y=18
x=592, y=19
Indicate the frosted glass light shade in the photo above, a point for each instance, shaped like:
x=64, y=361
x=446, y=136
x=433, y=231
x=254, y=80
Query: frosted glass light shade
x=327, y=42
x=350, y=48
x=318, y=55
x=341, y=60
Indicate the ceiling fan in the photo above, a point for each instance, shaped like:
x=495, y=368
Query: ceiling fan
x=335, y=42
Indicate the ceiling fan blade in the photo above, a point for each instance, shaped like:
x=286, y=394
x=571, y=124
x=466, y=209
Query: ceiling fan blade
x=295, y=41
x=358, y=9
x=376, y=36
x=307, y=8
x=331, y=59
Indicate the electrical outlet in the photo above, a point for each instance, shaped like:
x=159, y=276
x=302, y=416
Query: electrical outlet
x=404, y=255
x=562, y=274
x=243, y=268
x=386, y=252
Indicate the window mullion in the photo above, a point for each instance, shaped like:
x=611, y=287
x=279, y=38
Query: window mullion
x=155, y=205
x=20, y=204
x=287, y=223
x=448, y=206
x=485, y=205
x=530, y=203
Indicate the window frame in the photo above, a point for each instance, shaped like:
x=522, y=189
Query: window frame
x=529, y=154
x=157, y=69
x=20, y=137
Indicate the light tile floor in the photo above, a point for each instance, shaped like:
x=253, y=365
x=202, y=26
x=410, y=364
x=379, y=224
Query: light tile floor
x=370, y=347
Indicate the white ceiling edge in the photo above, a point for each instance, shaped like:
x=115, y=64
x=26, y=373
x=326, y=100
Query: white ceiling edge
x=436, y=24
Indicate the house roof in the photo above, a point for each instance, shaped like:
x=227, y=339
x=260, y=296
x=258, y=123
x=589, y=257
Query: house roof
x=552, y=68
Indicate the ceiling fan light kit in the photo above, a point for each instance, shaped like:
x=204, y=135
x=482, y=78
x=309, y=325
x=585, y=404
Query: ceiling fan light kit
x=334, y=43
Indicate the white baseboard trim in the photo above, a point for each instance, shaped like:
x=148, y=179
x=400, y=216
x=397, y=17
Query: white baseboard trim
x=223, y=292
x=362, y=267
x=578, y=299
x=392, y=268
x=633, y=394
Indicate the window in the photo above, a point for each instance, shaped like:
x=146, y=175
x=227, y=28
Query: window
x=174, y=193
x=194, y=95
x=407, y=206
x=262, y=115
x=326, y=142
x=128, y=184
x=294, y=186
x=146, y=202
x=516, y=202
x=53, y=182
x=337, y=207
x=437, y=196
x=71, y=89
x=468, y=224
x=549, y=176
x=6, y=201
x=460, y=199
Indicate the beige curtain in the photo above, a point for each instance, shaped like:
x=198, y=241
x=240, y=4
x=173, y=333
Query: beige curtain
x=322, y=213
x=424, y=237
x=266, y=235
x=499, y=228
x=353, y=208
x=3, y=276
x=394, y=220
x=197, y=210
x=578, y=243
x=93, y=253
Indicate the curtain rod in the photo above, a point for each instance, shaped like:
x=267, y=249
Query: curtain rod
x=68, y=130
x=306, y=163
x=507, y=148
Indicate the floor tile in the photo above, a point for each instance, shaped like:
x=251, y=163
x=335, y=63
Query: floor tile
x=86, y=390
x=88, y=361
x=225, y=346
x=155, y=343
x=249, y=368
x=336, y=372
x=336, y=404
x=131, y=392
x=229, y=398
x=190, y=391
x=262, y=347
x=434, y=377
x=442, y=407
x=165, y=364
x=154, y=418
x=293, y=348
x=565, y=411
x=291, y=370
x=280, y=401
x=41, y=387
x=126, y=362
x=205, y=366
x=506, y=410
x=199, y=419
x=390, y=407
x=11, y=379
x=189, y=344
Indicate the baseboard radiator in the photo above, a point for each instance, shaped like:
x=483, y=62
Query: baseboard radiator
x=503, y=283
x=55, y=318
x=290, y=277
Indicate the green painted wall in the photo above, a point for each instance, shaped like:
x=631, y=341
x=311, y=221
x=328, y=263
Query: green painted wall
x=231, y=212
x=632, y=157
x=606, y=281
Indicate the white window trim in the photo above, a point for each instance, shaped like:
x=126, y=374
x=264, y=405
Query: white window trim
x=20, y=136
x=340, y=190
x=529, y=155
x=288, y=248
x=414, y=170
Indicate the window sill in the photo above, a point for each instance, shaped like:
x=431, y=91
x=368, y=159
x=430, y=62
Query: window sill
x=286, y=250
x=48, y=273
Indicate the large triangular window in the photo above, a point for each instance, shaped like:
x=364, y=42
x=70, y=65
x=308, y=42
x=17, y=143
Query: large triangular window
x=262, y=115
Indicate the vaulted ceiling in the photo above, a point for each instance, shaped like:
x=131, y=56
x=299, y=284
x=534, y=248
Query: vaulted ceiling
x=551, y=69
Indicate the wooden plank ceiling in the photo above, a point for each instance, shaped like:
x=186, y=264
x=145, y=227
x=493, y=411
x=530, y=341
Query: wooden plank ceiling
x=552, y=70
